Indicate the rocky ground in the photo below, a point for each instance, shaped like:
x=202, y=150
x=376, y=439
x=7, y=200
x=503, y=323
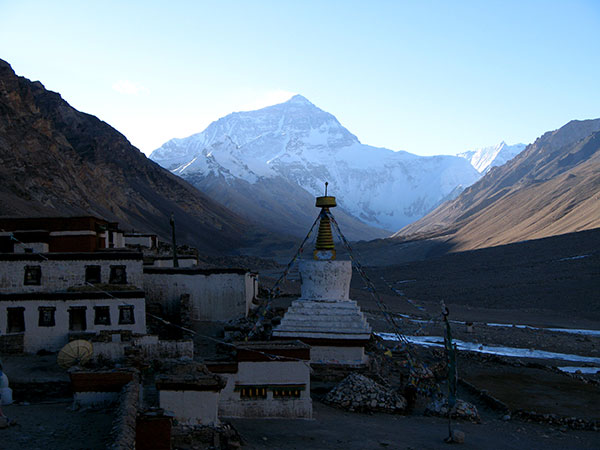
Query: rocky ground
x=55, y=426
x=333, y=428
x=523, y=402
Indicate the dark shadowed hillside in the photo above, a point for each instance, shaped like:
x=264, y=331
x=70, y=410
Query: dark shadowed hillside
x=55, y=160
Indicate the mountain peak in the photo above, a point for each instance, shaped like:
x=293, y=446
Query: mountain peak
x=299, y=100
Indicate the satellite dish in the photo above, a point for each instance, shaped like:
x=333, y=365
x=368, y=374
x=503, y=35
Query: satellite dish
x=75, y=353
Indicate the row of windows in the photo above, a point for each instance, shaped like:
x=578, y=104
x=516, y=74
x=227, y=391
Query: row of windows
x=93, y=275
x=260, y=392
x=77, y=317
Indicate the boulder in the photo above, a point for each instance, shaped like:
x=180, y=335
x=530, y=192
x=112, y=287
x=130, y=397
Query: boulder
x=461, y=410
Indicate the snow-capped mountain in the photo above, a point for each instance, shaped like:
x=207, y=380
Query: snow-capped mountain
x=485, y=158
x=298, y=144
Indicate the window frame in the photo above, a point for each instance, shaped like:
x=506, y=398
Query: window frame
x=123, y=308
x=113, y=279
x=89, y=279
x=102, y=308
x=71, y=310
x=32, y=275
x=52, y=311
x=250, y=392
x=10, y=325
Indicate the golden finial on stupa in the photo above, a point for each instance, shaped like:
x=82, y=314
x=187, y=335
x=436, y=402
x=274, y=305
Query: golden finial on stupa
x=325, y=248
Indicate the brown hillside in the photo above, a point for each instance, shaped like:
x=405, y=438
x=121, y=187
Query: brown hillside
x=55, y=160
x=552, y=187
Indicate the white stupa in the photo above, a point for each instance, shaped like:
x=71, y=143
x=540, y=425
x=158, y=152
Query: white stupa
x=324, y=316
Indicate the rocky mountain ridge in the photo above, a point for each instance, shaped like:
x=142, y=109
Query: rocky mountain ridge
x=295, y=147
x=550, y=188
x=55, y=160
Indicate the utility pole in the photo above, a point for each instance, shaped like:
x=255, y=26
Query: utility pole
x=175, y=261
x=452, y=370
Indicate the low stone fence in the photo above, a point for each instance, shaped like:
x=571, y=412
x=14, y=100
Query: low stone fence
x=145, y=347
x=123, y=430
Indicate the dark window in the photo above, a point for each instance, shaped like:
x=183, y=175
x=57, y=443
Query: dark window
x=93, y=274
x=253, y=392
x=126, y=316
x=16, y=320
x=33, y=276
x=77, y=320
x=118, y=275
x=46, y=316
x=102, y=315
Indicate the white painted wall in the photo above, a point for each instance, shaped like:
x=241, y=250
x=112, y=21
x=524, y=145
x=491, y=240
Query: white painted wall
x=215, y=297
x=273, y=373
x=62, y=274
x=54, y=338
x=325, y=280
x=144, y=241
x=5, y=390
x=191, y=407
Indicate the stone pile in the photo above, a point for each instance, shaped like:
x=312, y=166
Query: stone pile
x=359, y=393
x=224, y=437
x=461, y=410
x=575, y=423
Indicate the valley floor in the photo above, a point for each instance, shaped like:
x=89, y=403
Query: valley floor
x=336, y=429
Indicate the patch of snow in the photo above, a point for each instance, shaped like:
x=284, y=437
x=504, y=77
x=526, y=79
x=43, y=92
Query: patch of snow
x=558, y=330
x=573, y=369
x=573, y=258
x=484, y=159
x=512, y=352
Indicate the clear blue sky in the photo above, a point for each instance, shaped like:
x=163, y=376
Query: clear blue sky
x=425, y=77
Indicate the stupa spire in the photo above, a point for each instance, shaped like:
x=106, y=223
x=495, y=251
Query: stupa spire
x=325, y=248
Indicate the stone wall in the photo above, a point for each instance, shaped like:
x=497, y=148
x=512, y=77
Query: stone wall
x=214, y=296
x=123, y=430
x=271, y=375
x=191, y=407
x=52, y=338
x=144, y=347
x=58, y=273
x=12, y=343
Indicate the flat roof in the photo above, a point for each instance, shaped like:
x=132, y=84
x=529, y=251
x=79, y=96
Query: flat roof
x=72, y=256
x=193, y=270
x=78, y=295
x=191, y=376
